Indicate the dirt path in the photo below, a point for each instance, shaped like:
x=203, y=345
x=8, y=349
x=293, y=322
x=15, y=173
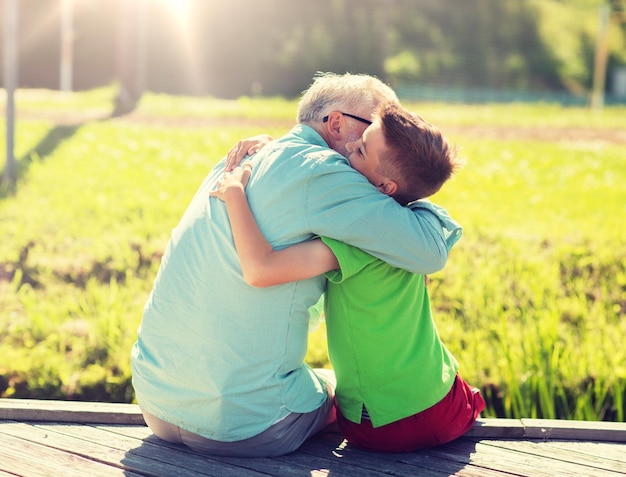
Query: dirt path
x=613, y=136
x=554, y=134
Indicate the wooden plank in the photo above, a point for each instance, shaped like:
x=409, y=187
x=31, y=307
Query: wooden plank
x=567, y=456
x=328, y=455
x=604, y=450
x=320, y=461
x=422, y=463
x=153, y=462
x=152, y=446
x=574, y=430
x=356, y=467
x=497, y=429
x=24, y=458
x=469, y=455
x=462, y=457
x=69, y=411
x=43, y=449
x=457, y=459
x=548, y=429
x=507, y=459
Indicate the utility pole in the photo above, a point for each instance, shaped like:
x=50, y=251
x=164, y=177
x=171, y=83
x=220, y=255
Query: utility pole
x=10, y=83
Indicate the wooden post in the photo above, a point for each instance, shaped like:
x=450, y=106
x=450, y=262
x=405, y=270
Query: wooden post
x=10, y=83
x=67, y=44
x=130, y=46
x=599, y=68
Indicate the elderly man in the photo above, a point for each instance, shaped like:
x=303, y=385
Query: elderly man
x=219, y=365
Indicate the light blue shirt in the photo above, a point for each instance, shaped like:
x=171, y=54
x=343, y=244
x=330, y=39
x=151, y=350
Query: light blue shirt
x=224, y=360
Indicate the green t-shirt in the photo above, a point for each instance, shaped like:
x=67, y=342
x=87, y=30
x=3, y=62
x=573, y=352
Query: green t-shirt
x=382, y=340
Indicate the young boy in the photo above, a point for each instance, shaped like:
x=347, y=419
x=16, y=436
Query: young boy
x=397, y=384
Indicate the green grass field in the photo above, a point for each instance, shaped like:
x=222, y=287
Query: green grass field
x=532, y=301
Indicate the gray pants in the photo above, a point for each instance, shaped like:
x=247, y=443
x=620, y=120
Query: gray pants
x=283, y=437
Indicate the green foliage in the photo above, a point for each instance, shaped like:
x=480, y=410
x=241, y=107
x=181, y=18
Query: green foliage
x=532, y=301
x=516, y=45
x=533, y=298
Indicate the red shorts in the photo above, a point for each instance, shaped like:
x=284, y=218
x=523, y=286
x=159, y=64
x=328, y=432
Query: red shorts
x=450, y=418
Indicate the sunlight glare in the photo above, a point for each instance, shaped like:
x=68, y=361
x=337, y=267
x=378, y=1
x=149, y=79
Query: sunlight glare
x=180, y=8
x=184, y=33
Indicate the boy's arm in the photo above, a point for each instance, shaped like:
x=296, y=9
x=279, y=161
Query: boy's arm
x=262, y=266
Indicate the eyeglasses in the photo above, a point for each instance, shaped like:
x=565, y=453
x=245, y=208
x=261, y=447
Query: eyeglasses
x=363, y=120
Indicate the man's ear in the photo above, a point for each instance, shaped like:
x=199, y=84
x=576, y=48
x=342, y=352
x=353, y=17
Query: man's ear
x=388, y=187
x=333, y=125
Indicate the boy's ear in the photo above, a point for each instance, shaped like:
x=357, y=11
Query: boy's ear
x=333, y=125
x=388, y=187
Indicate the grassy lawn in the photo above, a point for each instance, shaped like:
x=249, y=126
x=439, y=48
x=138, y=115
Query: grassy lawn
x=532, y=301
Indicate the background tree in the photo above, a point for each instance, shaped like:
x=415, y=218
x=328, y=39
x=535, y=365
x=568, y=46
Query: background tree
x=234, y=48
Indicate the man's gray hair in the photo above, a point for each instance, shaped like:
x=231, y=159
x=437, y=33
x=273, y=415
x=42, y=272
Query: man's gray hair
x=347, y=93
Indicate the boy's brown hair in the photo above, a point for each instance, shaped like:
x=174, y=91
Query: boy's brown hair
x=417, y=155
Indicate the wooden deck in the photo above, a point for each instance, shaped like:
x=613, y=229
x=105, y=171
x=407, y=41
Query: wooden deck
x=55, y=438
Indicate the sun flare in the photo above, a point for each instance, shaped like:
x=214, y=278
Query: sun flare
x=183, y=31
x=179, y=8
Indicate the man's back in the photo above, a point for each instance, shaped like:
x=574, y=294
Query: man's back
x=214, y=355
